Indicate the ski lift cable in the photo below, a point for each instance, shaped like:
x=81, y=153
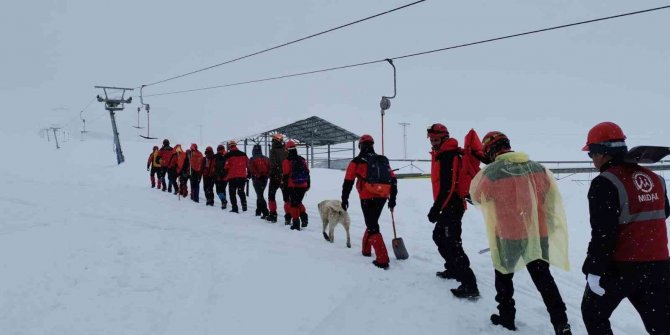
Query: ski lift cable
x=414, y=54
x=285, y=44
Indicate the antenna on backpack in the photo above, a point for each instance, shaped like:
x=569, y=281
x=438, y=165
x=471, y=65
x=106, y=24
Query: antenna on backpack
x=385, y=103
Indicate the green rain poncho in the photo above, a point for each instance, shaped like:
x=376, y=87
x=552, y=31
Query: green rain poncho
x=523, y=211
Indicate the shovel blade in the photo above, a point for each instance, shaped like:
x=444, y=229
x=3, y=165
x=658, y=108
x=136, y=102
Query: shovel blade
x=399, y=248
x=647, y=154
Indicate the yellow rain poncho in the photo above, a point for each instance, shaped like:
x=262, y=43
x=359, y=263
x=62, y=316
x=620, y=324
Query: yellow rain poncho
x=523, y=211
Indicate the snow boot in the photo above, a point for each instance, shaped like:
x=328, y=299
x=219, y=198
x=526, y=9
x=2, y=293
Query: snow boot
x=296, y=225
x=287, y=219
x=244, y=207
x=382, y=257
x=234, y=209
x=272, y=217
x=507, y=322
x=304, y=219
x=264, y=214
x=466, y=292
x=366, y=248
x=258, y=212
x=563, y=329
x=446, y=274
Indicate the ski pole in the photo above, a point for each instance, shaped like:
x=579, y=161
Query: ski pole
x=483, y=251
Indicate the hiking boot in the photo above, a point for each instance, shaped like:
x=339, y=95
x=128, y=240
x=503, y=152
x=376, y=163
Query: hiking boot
x=234, y=210
x=287, y=221
x=381, y=265
x=446, y=274
x=244, y=207
x=505, y=322
x=465, y=292
x=563, y=330
x=224, y=205
x=272, y=217
x=264, y=216
x=304, y=219
x=296, y=225
x=258, y=212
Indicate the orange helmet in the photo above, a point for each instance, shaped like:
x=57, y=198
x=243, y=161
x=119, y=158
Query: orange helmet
x=437, y=130
x=232, y=143
x=290, y=145
x=278, y=137
x=604, y=132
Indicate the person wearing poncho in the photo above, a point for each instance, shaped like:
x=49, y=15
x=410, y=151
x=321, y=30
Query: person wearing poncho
x=526, y=227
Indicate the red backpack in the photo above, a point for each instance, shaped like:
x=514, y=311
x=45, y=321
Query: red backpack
x=196, y=161
x=260, y=167
x=465, y=166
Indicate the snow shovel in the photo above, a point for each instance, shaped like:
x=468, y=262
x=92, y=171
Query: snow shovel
x=398, y=245
x=646, y=154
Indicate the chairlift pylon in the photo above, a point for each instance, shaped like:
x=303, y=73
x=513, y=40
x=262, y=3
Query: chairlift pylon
x=147, y=108
x=385, y=103
x=138, y=119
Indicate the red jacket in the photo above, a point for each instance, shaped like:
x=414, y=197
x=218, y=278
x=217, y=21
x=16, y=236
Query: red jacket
x=287, y=171
x=197, y=161
x=209, y=167
x=236, y=164
x=358, y=170
x=166, y=153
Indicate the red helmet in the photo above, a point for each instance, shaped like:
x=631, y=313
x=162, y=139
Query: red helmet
x=437, y=130
x=604, y=132
x=290, y=145
x=194, y=147
x=209, y=149
x=366, y=139
x=490, y=139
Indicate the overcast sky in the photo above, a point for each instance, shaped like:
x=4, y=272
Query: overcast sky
x=544, y=90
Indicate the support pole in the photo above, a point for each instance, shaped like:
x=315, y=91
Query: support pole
x=117, y=143
x=55, y=137
x=329, y=156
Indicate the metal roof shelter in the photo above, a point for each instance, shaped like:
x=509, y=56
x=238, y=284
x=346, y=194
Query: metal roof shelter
x=312, y=132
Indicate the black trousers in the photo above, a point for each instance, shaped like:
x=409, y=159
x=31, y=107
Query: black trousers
x=259, y=186
x=195, y=186
x=272, y=191
x=295, y=195
x=545, y=284
x=162, y=171
x=208, y=186
x=647, y=287
x=447, y=237
x=236, y=186
x=172, y=179
x=372, y=210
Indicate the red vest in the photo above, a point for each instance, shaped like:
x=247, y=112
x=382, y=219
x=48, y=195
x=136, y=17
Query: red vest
x=642, y=233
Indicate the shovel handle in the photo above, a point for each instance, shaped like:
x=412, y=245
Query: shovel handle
x=393, y=222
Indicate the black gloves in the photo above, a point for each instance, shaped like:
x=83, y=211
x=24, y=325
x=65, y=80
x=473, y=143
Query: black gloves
x=391, y=204
x=434, y=214
x=345, y=204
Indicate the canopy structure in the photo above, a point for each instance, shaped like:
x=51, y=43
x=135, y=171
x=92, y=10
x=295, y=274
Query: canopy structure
x=310, y=133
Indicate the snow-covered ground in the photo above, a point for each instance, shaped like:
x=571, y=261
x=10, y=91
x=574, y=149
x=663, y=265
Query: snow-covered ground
x=87, y=247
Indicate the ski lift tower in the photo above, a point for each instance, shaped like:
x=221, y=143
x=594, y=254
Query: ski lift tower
x=113, y=104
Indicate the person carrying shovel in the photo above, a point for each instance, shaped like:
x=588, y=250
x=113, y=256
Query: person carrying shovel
x=375, y=183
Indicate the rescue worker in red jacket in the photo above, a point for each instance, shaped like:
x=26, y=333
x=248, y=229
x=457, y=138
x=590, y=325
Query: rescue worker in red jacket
x=220, y=174
x=236, y=175
x=196, y=165
x=259, y=168
x=277, y=155
x=627, y=256
x=179, y=163
x=447, y=212
x=524, y=216
x=297, y=181
x=208, y=175
x=166, y=153
x=153, y=165
x=375, y=183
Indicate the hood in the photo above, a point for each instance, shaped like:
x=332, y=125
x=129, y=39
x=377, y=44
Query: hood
x=513, y=157
x=257, y=150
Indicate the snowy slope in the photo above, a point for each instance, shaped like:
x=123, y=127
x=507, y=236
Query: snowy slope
x=87, y=247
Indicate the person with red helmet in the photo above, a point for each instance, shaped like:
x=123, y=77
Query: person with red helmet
x=153, y=165
x=208, y=175
x=277, y=155
x=165, y=152
x=259, y=168
x=376, y=183
x=628, y=254
x=297, y=180
x=447, y=212
x=196, y=166
x=236, y=175
x=525, y=219
x=220, y=174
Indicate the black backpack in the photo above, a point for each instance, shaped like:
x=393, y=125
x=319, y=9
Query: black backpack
x=378, y=179
x=299, y=171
